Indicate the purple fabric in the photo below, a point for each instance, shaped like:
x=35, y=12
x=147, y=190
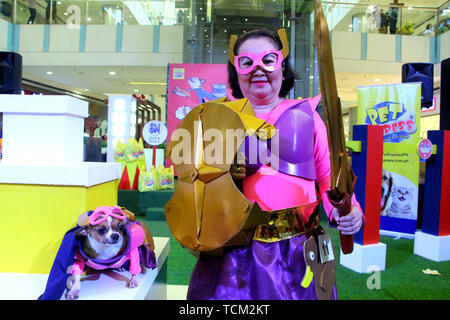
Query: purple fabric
x=296, y=147
x=258, y=271
x=147, y=257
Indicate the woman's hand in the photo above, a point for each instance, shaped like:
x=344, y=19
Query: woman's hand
x=237, y=168
x=349, y=224
x=237, y=171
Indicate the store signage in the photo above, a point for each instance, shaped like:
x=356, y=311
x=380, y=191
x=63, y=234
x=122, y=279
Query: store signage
x=425, y=149
x=154, y=133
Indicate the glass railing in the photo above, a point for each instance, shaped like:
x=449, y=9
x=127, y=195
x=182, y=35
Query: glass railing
x=387, y=19
x=100, y=12
x=344, y=15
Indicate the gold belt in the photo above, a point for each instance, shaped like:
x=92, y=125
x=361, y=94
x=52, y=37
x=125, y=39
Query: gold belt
x=287, y=223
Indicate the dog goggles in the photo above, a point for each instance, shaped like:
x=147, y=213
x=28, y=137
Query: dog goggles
x=269, y=60
x=100, y=214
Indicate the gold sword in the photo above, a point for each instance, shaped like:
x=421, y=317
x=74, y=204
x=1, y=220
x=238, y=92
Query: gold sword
x=342, y=177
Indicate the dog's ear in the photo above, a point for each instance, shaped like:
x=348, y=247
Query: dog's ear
x=82, y=232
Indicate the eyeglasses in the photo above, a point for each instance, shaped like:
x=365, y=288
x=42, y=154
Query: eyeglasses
x=103, y=212
x=269, y=60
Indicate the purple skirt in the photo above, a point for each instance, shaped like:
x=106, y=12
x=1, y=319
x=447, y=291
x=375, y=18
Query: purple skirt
x=258, y=271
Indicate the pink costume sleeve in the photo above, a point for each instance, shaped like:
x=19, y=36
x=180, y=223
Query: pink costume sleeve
x=135, y=266
x=137, y=239
x=323, y=165
x=78, y=265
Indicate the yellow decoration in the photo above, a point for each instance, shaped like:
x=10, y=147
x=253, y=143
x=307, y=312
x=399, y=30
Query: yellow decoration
x=131, y=150
x=170, y=178
x=307, y=278
x=161, y=177
x=141, y=156
x=131, y=156
x=119, y=152
x=36, y=217
x=431, y=272
x=147, y=180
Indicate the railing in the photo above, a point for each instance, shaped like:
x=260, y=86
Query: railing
x=92, y=12
x=387, y=19
x=342, y=15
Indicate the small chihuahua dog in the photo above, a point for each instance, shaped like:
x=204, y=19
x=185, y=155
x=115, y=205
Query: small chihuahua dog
x=103, y=238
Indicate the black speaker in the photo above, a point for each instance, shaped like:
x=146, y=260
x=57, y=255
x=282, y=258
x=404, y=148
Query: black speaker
x=420, y=72
x=10, y=73
x=444, y=116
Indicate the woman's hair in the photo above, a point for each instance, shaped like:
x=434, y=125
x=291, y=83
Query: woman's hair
x=288, y=73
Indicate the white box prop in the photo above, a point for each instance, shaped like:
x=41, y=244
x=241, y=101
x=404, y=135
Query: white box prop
x=43, y=142
x=365, y=258
x=42, y=129
x=432, y=247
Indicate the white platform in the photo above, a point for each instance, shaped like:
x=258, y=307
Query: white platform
x=177, y=292
x=436, y=248
x=108, y=285
x=365, y=258
x=82, y=174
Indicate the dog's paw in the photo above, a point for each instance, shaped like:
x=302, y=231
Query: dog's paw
x=72, y=294
x=133, y=283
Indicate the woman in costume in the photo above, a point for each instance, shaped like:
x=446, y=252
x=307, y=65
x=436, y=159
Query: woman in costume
x=273, y=265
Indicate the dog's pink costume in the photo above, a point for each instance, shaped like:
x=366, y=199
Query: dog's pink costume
x=135, y=234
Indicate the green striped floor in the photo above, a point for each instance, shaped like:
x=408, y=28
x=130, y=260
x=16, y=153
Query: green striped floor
x=403, y=278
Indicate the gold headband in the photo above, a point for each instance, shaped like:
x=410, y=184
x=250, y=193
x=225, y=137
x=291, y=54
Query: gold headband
x=281, y=34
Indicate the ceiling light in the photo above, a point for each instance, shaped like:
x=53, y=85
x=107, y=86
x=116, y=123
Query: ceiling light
x=49, y=72
x=86, y=89
x=112, y=73
x=377, y=79
x=136, y=90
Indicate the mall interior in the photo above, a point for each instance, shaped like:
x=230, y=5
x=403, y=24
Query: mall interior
x=96, y=50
